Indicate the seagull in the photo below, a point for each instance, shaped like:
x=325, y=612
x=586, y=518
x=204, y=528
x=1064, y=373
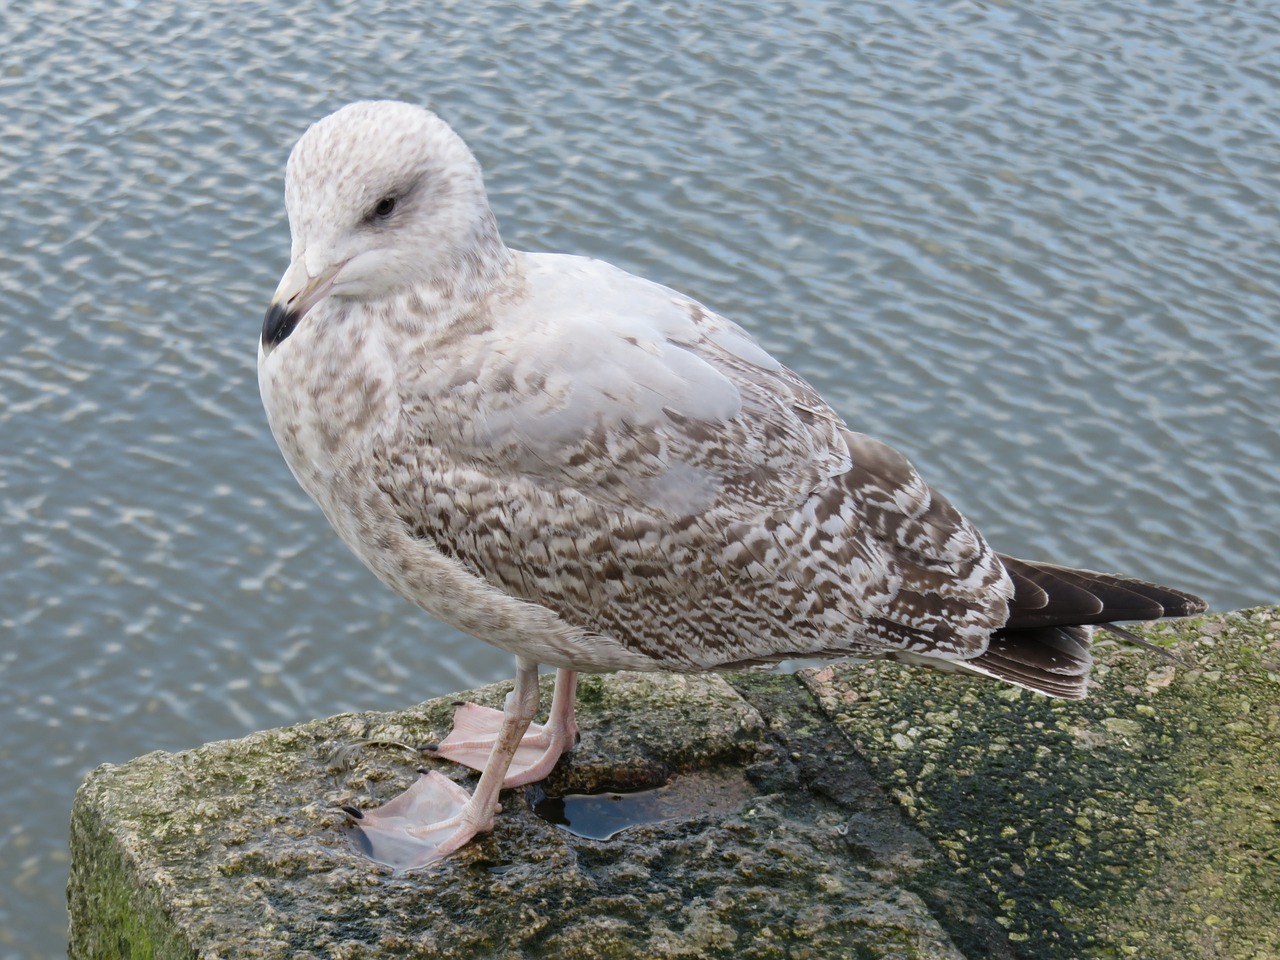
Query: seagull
x=598, y=473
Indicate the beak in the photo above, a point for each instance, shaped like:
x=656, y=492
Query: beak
x=297, y=293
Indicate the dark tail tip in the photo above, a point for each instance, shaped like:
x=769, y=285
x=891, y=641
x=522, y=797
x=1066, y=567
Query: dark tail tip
x=1044, y=645
x=1049, y=595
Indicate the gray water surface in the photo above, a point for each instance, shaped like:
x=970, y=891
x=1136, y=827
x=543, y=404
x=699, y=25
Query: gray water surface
x=1034, y=246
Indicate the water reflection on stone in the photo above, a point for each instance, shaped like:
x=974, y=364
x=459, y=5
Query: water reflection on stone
x=602, y=816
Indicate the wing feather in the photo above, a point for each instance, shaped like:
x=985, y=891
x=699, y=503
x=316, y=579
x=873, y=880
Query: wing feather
x=641, y=466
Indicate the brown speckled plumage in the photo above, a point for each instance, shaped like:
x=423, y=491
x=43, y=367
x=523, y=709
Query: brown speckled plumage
x=594, y=471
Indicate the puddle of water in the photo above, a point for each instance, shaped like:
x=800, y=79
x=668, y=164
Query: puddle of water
x=602, y=816
x=595, y=816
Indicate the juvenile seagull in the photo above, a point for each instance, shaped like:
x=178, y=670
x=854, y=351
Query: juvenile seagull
x=598, y=473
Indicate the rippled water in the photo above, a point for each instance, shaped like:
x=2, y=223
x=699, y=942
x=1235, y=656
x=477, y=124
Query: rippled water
x=1035, y=247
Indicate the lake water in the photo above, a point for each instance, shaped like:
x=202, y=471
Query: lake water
x=1033, y=245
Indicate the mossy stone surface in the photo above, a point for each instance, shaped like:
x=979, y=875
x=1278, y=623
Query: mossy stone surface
x=858, y=810
x=237, y=849
x=1143, y=821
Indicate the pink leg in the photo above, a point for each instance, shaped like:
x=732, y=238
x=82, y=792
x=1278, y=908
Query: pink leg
x=435, y=817
x=476, y=729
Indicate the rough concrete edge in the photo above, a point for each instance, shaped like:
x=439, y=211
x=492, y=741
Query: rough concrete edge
x=1237, y=654
x=113, y=915
x=880, y=834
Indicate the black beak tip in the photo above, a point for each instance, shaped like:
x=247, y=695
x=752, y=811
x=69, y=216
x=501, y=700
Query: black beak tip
x=278, y=324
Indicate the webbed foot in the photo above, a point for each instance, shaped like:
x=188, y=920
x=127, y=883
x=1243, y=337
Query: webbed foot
x=435, y=816
x=426, y=823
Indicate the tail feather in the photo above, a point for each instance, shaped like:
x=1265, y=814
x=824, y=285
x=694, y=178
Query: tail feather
x=1048, y=595
x=1051, y=660
x=1044, y=645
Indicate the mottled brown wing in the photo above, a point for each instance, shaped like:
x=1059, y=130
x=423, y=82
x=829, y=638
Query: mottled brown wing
x=651, y=473
x=631, y=395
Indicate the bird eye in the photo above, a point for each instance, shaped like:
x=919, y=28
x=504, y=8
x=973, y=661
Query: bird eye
x=384, y=207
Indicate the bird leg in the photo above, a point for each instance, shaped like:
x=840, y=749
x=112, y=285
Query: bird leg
x=476, y=729
x=435, y=816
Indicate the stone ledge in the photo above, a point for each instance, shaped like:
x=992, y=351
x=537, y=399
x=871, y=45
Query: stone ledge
x=1144, y=820
x=877, y=812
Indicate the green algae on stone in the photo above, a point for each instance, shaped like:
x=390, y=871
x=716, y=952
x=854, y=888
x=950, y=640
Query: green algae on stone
x=1145, y=819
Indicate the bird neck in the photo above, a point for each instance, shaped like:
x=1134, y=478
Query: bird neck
x=437, y=302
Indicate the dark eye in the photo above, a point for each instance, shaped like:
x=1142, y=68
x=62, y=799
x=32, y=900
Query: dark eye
x=383, y=208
